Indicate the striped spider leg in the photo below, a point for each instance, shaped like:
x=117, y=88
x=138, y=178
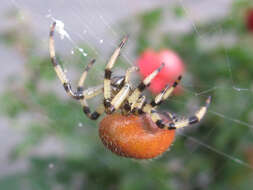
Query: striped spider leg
x=163, y=95
x=132, y=100
x=177, y=123
x=58, y=69
x=123, y=95
x=88, y=94
x=108, y=73
x=80, y=94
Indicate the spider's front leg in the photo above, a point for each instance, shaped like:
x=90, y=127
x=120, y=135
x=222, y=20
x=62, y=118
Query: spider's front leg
x=58, y=69
x=123, y=93
x=108, y=73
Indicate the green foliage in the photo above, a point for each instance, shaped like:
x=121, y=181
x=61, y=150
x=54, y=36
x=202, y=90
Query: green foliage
x=178, y=11
x=10, y=105
x=148, y=21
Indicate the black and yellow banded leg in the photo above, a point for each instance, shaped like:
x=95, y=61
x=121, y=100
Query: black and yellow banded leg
x=181, y=122
x=118, y=99
x=123, y=93
x=197, y=117
x=108, y=73
x=163, y=95
x=94, y=115
x=58, y=69
x=138, y=105
x=89, y=93
x=133, y=98
x=80, y=87
x=170, y=116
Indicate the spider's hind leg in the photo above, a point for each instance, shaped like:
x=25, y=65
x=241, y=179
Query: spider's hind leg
x=178, y=123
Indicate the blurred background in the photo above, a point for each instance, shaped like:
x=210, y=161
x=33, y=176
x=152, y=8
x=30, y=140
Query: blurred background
x=46, y=142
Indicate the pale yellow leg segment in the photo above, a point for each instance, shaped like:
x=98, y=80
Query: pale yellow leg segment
x=171, y=116
x=160, y=96
x=198, y=116
x=132, y=99
x=95, y=114
x=172, y=88
x=108, y=72
x=59, y=71
x=164, y=94
x=84, y=75
x=120, y=97
x=92, y=92
x=140, y=102
x=138, y=106
x=88, y=94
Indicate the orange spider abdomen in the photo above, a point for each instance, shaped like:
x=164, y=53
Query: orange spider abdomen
x=134, y=136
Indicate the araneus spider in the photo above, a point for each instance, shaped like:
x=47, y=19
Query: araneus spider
x=138, y=130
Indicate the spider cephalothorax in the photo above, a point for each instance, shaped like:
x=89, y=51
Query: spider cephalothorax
x=133, y=127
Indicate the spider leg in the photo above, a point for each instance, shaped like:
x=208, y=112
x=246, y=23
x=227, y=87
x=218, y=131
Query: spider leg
x=58, y=69
x=92, y=92
x=192, y=119
x=180, y=123
x=122, y=95
x=139, y=104
x=119, y=98
x=89, y=93
x=163, y=95
x=132, y=99
x=84, y=75
x=86, y=109
x=170, y=116
x=108, y=73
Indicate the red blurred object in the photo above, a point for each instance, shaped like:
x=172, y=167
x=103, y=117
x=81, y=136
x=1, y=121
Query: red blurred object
x=249, y=19
x=150, y=60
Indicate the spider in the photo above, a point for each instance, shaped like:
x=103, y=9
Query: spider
x=132, y=127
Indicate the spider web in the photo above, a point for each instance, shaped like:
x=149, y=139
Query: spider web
x=92, y=23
